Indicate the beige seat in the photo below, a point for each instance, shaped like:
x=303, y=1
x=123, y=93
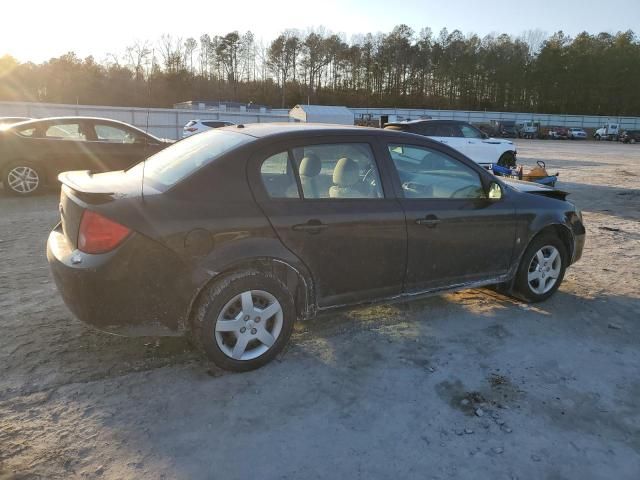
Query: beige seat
x=309, y=170
x=345, y=179
x=310, y=167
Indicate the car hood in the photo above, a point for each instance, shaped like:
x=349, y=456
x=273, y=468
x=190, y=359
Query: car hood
x=535, y=188
x=497, y=141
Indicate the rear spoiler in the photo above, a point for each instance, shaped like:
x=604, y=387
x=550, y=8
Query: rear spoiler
x=82, y=181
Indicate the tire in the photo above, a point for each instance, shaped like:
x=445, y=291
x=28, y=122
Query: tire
x=221, y=320
x=597, y=137
x=507, y=159
x=23, y=179
x=540, y=287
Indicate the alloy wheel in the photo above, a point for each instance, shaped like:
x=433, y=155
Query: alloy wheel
x=23, y=179
x=248, y=325
x=544, y=269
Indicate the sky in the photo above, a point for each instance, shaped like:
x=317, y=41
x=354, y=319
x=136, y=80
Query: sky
x=37, y=30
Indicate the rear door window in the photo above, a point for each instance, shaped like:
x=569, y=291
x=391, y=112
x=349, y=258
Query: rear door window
x=277, y=176
x=334, y=171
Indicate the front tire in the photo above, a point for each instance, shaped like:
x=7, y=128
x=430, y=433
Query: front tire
x=507, y=159
x=243, y=321
x=541, y=269
x=23, y=179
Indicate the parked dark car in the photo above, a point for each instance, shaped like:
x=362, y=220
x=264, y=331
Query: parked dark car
x=234, y=233
x=558, y=133
x=630, y=136
x=33, y=153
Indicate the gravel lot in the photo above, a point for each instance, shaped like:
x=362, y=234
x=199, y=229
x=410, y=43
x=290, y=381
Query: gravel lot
x=466, y=385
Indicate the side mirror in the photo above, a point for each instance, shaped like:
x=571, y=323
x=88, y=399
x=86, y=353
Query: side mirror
x=484, y=135
x=495, y=191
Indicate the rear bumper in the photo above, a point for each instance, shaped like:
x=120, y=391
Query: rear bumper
x=140, y=288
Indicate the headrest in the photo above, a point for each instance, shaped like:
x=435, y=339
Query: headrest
x=310, y=165
x=346, y=173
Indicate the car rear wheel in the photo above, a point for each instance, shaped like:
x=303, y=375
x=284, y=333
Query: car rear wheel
x=243, y=321
x=541, y=269
x=23, y=179
x=507, y=159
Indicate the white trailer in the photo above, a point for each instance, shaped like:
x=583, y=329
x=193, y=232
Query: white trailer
x=322, y=114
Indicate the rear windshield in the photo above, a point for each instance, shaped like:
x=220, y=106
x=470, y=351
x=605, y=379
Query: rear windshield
x=181, y=159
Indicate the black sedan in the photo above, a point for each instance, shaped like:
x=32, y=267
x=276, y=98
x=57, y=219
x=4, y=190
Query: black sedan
x=231, y=235
x=630, y=136
x=33, y=153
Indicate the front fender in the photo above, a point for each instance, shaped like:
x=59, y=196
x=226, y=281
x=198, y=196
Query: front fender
x=532, y=223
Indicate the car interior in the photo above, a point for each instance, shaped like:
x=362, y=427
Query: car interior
x=426, y=173
x=325, y=171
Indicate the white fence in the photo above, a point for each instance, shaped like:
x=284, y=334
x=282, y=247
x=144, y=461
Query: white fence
x=168, y=122
x=584, y=121
x=162, y=122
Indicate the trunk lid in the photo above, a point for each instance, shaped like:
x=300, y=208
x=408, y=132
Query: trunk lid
x=83, y=190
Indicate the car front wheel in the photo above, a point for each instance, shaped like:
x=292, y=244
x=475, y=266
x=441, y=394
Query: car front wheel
x=541, y=269
x=243, y=321
x=22, y=179
x=507, y=159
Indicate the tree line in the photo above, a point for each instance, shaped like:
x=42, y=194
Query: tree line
x=587, y=74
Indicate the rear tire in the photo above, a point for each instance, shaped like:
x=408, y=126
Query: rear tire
x=541, y=269
x=23, y=179
x=243, y=321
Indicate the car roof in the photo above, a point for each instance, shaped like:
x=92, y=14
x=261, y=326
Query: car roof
x=74, y=119
x=263, y=130
x=38, y=121
x=425, y=121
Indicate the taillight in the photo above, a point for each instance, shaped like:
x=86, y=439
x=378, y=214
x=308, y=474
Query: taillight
x=191, y=129
x=98, y=234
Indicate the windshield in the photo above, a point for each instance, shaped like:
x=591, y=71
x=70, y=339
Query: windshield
x=181, y=159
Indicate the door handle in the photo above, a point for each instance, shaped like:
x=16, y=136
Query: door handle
x=429, y=221
x=312, y=226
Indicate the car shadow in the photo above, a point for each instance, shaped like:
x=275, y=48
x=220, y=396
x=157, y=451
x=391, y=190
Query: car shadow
x=398, y=361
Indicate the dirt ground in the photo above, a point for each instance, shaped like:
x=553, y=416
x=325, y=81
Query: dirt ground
x=465, y=385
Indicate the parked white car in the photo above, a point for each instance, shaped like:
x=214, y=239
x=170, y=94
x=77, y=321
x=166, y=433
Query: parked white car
x=465, y=138
x=576, y=133
x=196, y=126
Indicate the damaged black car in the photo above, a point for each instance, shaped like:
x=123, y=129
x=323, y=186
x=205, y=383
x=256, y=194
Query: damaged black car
x=232, y=235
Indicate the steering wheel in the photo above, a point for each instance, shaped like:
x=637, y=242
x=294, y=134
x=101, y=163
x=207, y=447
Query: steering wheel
x=460, y=190
x=370, y=181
